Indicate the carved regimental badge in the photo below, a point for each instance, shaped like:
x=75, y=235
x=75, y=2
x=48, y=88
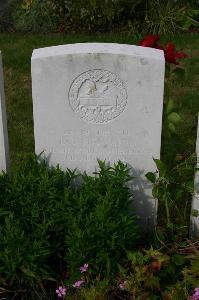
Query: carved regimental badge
x=98, y=96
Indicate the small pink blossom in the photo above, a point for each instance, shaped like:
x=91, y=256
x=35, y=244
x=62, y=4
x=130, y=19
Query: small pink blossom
x=78, y=283
x=61, y=291
x=122, y=285
x=84, y=268
x=195, y=295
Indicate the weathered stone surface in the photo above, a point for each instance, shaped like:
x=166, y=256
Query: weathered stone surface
x=4, y=160
x=101, y=101
x=194, y=230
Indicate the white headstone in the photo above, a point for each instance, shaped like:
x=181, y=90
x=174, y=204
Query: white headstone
x=101, y=101
x=3, y=125
x=194, y=230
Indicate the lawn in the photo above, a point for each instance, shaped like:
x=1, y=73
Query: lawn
x=17, y=49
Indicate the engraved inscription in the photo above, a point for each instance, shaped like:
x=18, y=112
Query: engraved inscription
x=99, y=143
x=98, y=96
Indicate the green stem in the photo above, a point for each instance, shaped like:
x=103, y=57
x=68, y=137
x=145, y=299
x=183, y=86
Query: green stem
x=167, y=211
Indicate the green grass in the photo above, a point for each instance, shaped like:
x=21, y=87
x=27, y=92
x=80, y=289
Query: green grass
x=17, y=50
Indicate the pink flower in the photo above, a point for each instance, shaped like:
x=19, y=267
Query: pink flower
x=78, y=283
x=84, y=268
x=195, y=295
x=61, y=291
x=122, y=285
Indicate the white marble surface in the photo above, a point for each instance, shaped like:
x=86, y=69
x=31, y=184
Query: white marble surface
x=101, y=101
x=4, y=155
x=194, y=230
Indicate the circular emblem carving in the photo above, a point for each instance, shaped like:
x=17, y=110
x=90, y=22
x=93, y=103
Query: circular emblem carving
x=98, y=96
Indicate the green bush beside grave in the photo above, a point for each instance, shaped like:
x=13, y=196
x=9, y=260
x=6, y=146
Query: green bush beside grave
x=50, y=225
x=76, y=232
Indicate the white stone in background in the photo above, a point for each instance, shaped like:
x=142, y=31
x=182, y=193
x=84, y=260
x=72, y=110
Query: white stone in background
x=101, y=101
x=4, y=161
x=194, y=230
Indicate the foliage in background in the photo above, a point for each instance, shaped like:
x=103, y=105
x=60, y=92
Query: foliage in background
x=48, y=226
x=154, y=16
x=36, y=16
x=7, y=9
x=162, y=17
x=64, y=15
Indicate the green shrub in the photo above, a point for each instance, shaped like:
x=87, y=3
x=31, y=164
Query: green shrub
x=36, y=16
x=162, y=16
x=45, y=218
x=100, y=15
x=174, y=188
x=153, y=16
x=33, y=224
x=102, y=229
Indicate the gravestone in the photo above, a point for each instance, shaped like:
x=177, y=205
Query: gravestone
x=3, y=125
x=101, y=101
x=194, y=230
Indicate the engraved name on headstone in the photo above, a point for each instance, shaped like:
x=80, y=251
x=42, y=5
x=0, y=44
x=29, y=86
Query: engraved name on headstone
x=3, y=125
x=194, y=230
x=101, y=101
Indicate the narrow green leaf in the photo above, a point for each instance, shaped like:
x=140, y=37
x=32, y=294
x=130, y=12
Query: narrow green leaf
x=160, y=165
x=151, y=177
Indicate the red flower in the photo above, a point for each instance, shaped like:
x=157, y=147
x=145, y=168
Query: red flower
x=181, y=55
x=149, y=41
x=171, y=55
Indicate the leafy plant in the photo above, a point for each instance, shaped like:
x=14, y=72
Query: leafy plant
x=174, y=187
x=103, y=228
x=166, y=273
x=154, y=274
x=171, y=119
x=33, y=224
x=36, y=16
x=162, y=16
x=62, y=15
x=189, y=19
x=191, y=272
x=49, y=225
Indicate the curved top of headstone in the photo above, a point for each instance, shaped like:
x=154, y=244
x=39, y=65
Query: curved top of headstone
x=109, y=48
